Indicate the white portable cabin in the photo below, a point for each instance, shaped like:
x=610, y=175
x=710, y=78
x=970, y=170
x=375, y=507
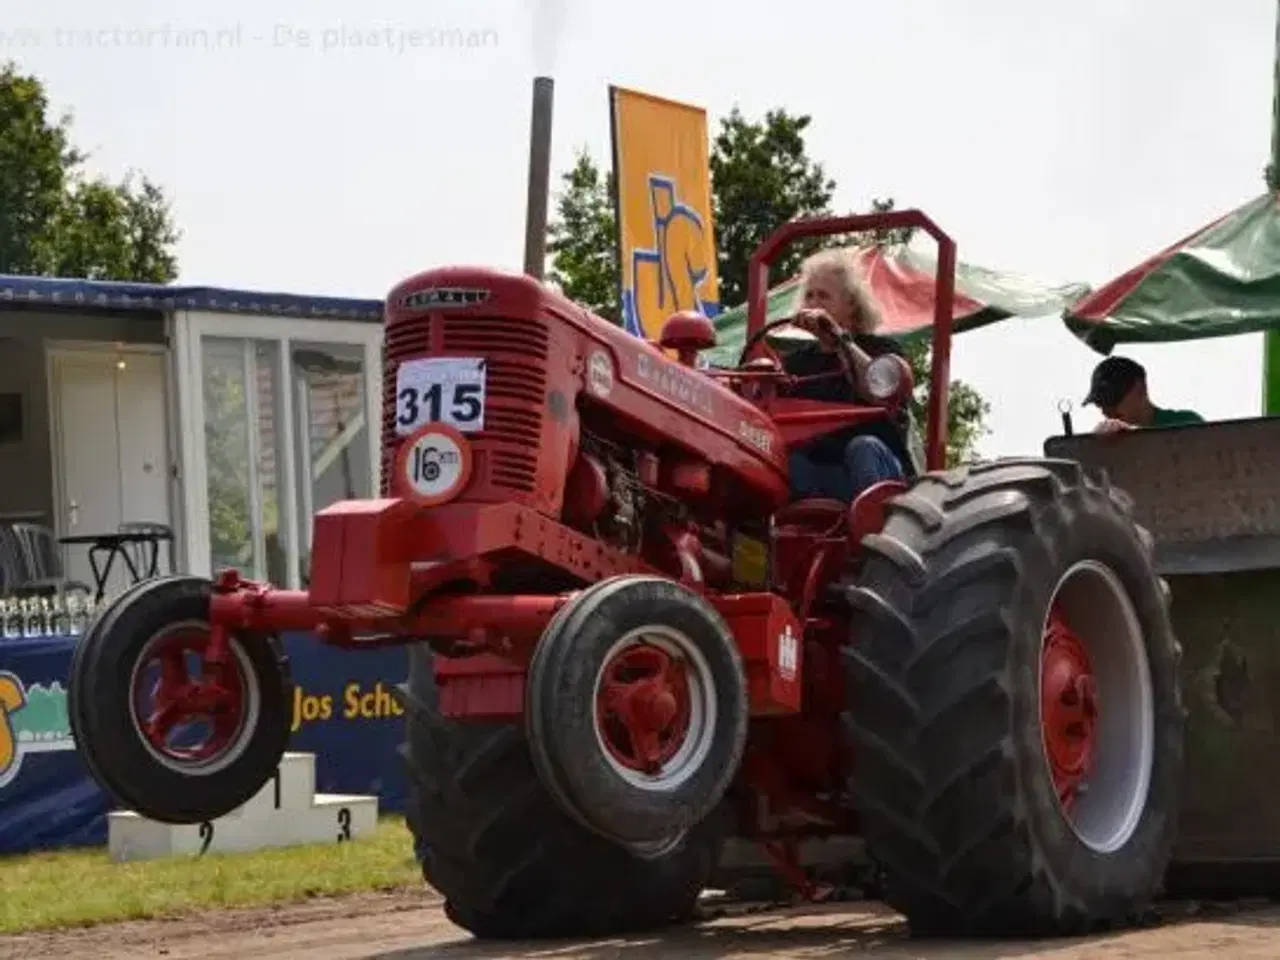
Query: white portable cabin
x=228, y=415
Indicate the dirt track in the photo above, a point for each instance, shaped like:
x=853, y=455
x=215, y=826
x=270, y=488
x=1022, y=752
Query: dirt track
x=402, y=927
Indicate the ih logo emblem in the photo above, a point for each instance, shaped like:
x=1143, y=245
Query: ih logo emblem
x=600, y=373
x=788, y=654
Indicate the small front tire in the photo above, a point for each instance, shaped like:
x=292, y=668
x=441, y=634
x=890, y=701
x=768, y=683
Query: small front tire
x=143, y=754
x=636, y=709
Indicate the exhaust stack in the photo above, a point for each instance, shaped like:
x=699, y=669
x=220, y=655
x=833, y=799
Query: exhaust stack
x=535, y=231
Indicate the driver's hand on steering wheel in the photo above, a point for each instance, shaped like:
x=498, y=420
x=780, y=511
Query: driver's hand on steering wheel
x=816, y=322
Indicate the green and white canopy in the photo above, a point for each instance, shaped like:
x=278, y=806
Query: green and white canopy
x=1220, y=281
x=902, y=281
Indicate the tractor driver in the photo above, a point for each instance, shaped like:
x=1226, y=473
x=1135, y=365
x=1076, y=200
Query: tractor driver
x=1119, y=388
x=843, y=464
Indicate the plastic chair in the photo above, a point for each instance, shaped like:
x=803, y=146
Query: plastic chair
x=13, y=566
x=41, y=558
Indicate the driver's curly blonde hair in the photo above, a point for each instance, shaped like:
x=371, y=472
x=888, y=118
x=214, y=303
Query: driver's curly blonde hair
x=842, y=265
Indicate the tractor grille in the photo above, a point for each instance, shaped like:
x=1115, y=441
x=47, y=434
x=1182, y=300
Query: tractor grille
x=401, y=341
x=517, y=354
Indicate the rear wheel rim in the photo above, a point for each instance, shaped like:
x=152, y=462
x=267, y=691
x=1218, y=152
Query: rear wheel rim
x=1097, y=716
x=655, y=708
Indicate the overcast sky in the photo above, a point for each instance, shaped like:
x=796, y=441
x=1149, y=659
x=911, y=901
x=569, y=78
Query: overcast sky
x=1062, y=140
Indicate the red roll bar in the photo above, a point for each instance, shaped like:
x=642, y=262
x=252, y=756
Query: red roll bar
x=940, y=368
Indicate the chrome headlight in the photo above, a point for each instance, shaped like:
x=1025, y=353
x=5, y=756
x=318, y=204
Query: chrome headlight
x=885, y=378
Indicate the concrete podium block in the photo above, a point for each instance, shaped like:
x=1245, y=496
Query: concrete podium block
x=286, y=812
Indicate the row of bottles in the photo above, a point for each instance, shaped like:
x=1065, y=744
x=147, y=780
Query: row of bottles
x=56, y=616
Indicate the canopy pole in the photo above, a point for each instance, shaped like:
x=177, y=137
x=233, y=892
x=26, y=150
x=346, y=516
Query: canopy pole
x=1271, y=339
x=1273, y=168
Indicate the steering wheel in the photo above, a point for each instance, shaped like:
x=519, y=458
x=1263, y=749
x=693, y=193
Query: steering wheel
x=844, y=350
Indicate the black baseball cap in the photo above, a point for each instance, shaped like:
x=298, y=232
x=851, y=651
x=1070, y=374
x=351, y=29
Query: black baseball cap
x=1112, y=379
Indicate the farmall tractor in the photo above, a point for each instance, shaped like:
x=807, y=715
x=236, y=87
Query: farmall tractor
x=626, y=646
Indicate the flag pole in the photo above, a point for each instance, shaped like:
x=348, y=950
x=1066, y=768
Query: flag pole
x=1271, y=339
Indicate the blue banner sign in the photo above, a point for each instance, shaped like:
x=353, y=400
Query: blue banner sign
x=343, y=711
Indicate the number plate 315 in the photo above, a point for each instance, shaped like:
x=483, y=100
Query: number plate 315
x=449, y=390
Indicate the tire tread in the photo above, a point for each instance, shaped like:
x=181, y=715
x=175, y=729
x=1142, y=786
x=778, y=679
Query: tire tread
x=931, y=689
x=509, y=861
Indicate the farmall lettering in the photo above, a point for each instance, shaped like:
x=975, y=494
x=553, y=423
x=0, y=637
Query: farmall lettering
x=684, y=388
x=438, y=298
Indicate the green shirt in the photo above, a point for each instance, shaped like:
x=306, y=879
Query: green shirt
x=1175, y=418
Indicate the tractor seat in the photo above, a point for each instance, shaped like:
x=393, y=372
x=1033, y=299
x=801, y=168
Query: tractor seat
x=811, y=512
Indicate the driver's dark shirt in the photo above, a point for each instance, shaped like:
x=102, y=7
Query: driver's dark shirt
x=835, y=387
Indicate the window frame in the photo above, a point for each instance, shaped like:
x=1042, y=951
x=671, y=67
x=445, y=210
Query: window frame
x=190, y=329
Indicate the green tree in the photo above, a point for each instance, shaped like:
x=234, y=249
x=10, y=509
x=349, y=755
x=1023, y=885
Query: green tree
x=583, y=239
x=762, y=177
x=967, y=414
x=55, y=219
x=119, y=231
x=35, y=155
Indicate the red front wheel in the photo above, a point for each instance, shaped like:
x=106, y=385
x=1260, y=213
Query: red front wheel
x=637, y=710
x=172, y=730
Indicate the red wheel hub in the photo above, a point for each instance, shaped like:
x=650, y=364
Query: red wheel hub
x=216, y=696
x=1068, y=709
x=643, y=707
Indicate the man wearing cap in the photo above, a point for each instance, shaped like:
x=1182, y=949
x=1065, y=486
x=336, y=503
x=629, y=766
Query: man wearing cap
x=1119, y=389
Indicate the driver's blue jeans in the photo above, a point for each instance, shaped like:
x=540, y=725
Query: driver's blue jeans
x=867, y=461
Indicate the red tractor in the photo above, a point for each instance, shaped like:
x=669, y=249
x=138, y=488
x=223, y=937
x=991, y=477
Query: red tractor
x=627, y=646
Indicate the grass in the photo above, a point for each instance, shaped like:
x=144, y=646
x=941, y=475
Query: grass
x=43, y=891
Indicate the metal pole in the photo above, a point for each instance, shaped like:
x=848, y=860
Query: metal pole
x=1273, y=169
x=535, y=231
x=1271, y=339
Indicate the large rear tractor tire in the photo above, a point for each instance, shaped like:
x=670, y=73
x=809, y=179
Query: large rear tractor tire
x=164, y=733
x=509, y=860
x=1014, y=708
